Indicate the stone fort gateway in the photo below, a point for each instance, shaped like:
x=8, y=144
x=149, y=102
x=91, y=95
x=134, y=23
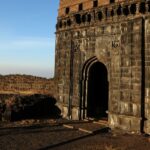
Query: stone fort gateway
x=102, y=64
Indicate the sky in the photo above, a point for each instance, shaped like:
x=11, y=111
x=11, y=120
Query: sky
x=27, y=37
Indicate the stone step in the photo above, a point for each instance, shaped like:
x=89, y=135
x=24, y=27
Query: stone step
x=101, y=122
x=88, y=127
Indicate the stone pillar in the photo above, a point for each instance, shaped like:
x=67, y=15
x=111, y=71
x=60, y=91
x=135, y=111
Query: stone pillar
x=147, y=76
x=126, y=79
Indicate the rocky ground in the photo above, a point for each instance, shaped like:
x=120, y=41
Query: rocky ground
x=64, y=135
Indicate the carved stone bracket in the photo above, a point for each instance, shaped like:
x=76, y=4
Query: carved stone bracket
x=75, y=46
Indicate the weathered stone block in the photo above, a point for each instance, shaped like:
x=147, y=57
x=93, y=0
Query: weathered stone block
x=147, y=110
x=125, y=96
x=64, y=111
x=114, y=106
x=124, y=123
x=147, y=99
x=147, y=92
x=75, y=113
x=113, y=121
x=136, y=110
x=135, y=125
x=136, y=98
x=147, y=126
x=125, y=108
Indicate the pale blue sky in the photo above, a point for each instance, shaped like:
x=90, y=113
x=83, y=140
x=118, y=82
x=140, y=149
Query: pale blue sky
x=27, y=39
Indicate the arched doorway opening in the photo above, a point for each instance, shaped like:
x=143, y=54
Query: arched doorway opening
x=97, y=95
x=94, y=90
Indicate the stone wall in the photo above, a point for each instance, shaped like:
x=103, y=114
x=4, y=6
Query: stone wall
x=25, y=84
x=116, y=35
x=147, y=75
x=73, y=5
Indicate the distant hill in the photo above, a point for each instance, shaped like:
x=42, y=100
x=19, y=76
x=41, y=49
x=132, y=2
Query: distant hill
x=25, y=77
x=25, y=84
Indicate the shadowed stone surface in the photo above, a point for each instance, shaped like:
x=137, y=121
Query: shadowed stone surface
x=116, y=35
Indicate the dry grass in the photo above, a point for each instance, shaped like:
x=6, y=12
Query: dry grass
x=20, y=92
x=111, y=147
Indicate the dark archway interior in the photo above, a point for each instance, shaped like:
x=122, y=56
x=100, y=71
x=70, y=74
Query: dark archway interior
x=97, y=100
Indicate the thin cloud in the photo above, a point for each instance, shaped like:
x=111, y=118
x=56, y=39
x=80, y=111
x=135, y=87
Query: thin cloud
x=28, y=43
x=27, y=69
x=32, y=55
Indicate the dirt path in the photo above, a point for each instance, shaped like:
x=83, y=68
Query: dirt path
x=58, y=137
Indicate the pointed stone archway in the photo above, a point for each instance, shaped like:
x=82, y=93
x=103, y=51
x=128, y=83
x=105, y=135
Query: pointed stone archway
x=94, y=99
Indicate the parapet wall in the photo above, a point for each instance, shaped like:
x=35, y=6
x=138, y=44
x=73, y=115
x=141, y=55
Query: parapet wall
x=73, y=5
x=24, y=84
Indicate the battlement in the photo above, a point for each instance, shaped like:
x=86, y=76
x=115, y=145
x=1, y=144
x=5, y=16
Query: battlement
x=70, y=6
x=120, y=10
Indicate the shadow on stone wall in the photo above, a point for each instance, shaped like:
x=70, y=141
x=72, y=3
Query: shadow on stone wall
x=29, y=107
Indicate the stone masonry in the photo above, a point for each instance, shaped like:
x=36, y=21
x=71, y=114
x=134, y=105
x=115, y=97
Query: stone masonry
x=103, y=62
